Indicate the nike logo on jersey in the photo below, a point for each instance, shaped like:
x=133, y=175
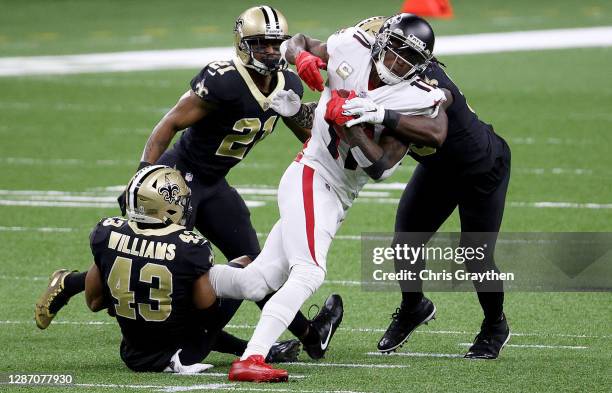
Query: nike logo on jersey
x=325, y=343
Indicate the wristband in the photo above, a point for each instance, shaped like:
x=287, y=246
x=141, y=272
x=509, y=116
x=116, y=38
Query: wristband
x=391, y=119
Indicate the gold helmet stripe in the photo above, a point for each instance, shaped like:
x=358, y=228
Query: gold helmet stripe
x=139, y=178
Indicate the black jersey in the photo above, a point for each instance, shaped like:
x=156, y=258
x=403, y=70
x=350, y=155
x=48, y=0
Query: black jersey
x=242, y=117
x=148, y=278
x=471, y=146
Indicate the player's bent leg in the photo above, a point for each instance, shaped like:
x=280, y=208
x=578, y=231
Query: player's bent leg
x=262, y=276
x=276, y=315
x=427, y=201
x=63, y=284
x=279, y=311
x=311, y=214
x=233, y=283
x=481, y=212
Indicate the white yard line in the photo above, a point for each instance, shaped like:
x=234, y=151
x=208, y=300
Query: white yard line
x=345, y=329
x=224, y=375
x=257, y=200
x=348, y=365
x=35, y=229
x=417, y=354
x=91, y=202
x=205, y=387
x=538, y=346
x=196, y=58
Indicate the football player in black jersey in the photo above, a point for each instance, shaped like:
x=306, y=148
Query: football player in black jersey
x=463, y=164
x=230, y=107
x=468, y=168
x=151, y=273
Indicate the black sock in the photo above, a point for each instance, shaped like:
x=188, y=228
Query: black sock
x=298, y=327
x=410, y=300
x=227, y=343
x=195, y=349
x=311, y=337
x=492, y=304
x=223, y=311
x=74, y=283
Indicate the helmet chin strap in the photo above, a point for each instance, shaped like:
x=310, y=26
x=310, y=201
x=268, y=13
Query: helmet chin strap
x=258, y=66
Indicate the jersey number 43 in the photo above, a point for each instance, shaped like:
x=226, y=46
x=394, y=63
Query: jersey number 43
x=119, y=285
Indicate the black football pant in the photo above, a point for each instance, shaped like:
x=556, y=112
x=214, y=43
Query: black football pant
x=218, y=211
x=429, y=199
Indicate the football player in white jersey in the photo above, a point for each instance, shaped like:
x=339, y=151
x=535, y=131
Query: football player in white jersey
x=372, y=85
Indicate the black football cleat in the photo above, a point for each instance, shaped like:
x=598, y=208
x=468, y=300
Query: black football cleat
x=404, y=323
x=325, y=324
x=284, y=352
x=490, y=341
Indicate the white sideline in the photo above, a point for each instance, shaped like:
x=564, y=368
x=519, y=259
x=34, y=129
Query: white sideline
x=539, y=346
x=417, y=354
x=196, y=58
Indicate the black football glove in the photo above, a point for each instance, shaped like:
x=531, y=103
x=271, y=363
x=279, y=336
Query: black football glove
x=121, y=198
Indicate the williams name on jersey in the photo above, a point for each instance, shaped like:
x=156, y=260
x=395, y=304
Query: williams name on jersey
x=149, y=276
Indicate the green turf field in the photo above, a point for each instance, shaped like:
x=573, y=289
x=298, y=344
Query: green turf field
x=83, y=134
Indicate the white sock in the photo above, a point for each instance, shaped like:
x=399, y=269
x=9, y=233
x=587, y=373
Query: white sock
x=280, y=310
x=269, y=329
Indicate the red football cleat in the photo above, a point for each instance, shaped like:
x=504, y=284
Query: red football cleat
x=255, y=369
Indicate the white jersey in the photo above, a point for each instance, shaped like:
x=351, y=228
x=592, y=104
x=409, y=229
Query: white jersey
x=349, y=68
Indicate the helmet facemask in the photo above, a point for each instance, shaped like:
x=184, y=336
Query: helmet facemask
x=269, y=61
x=399, y=52
x=255, y=30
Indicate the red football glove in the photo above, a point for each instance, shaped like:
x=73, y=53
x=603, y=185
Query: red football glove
x=308, y=66
x=333, y=114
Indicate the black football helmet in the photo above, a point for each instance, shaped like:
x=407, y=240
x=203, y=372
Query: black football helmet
x=408, y=37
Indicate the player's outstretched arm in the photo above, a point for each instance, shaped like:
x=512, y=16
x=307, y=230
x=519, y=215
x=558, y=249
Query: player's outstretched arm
x=378, y=160
x=309, y=55
x=188, y=110
x=301, y=123
x=94, y=295
x=300, y=43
